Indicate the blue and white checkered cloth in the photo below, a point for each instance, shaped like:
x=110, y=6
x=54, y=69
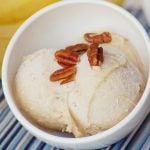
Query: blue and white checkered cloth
x=15, y=137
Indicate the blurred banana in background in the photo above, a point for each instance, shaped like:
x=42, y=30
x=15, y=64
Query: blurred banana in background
x=14, y=12
x=118, y=2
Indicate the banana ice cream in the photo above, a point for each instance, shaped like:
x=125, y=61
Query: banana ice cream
x=92, y=98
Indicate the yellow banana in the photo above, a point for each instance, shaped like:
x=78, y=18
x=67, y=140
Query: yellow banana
x=118, y=2
x=3, y=44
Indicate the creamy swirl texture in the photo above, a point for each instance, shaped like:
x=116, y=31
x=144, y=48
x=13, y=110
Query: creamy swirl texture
x=96, y=100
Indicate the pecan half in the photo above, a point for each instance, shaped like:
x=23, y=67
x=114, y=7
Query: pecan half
x=104, y=37
x=100, y=56
x=68, y=79
x=64, y=73
x=66, y=58
x=78, y=48
x=95, y=55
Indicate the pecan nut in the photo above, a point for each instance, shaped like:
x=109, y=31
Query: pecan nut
x=66, y=58
x=95, y=55
x=64, y=73
x=104, y=37
x=78, y=48
x=68, y=79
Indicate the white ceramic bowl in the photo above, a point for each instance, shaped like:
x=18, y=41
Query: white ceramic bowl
x=60, y=25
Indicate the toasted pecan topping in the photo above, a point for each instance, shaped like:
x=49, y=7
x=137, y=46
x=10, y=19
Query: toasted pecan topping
x=68, y=79
x=78, y=48
x=95, y=55
x=104, y=37
x=70, y=56
x=100, y=56
x=67, y=58
x=64, y=73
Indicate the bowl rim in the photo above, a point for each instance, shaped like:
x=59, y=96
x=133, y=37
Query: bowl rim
x=62, y=140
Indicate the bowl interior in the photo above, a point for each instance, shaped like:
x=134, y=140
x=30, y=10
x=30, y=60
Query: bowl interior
x=59, y=26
